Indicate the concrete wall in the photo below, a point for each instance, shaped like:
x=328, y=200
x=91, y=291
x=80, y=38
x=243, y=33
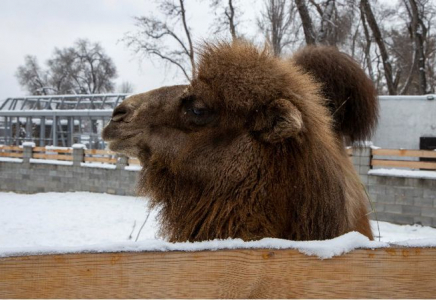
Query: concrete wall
x=39, y=178
x=403, y=120
x=404, y=200
x=397, y=199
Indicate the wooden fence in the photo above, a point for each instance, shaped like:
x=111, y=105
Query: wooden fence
x=258, y=273
x=64, y=154
x=383, y=158
x=52, y=153
x=379, y=157
x=11, y=151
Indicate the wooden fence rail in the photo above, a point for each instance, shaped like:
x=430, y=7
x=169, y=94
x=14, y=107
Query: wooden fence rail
x=405, y=161
x=65, y=154
x=103, y=156
x=11, y=151
x=52, y=153
x=261, y=273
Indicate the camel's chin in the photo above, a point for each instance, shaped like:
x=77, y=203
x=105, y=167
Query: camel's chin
x=121, y=147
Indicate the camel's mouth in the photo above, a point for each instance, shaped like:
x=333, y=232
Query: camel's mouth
x=118, y=140
x=113, y=132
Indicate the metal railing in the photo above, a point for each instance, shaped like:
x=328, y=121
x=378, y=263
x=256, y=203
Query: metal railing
x=58, y=120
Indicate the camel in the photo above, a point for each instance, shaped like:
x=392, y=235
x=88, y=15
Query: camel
x=253, y=147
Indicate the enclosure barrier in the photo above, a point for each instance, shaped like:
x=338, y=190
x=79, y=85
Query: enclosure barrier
x=379, y=157
x=75, y=155
x=262, y=273
x=406, y=160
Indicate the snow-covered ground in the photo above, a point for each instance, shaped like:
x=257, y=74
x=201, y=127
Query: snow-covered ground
x=71, y=222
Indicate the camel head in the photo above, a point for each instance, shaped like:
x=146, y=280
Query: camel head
x=241, y=101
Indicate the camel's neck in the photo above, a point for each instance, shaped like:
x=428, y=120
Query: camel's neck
x=282, y=199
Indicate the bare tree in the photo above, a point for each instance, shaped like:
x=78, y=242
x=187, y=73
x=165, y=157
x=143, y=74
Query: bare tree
x=31, y=77
x=227, y=17
x=95, y=68
x=418, y=32
x=306, y=22
x=126, y=87
x=325, y=21
x=387, y=66
x=82, y=69
x=366, y=45
x=276, y=23
x=153, y=37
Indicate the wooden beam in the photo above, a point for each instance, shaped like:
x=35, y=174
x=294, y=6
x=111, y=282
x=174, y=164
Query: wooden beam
x=261, y=273
x=101, y=152
x=52, y=156
x=44, y=149
x=13, y=148
x=402, y=153
x=134, y=161
x=101, y=159
x=403, y=164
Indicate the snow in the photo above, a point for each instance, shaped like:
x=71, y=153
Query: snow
x=133, y=168
x=363, y=144
x=50, y=162
x=79, y=146
x=37, y=120
x=87, y=222
x=10, y=159
x=56, y=148
x=28, y=144
x=98, y=165
x=403, y=173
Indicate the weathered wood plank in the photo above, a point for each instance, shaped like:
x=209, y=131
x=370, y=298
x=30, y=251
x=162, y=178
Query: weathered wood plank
x=13, y=148
x=403, y=152
x=262, y=273
x=43, y=149
x=403, y=164
x=101, y=159
x=101, y=152
x=11, y=154
x=52, y=156
x=134, y=161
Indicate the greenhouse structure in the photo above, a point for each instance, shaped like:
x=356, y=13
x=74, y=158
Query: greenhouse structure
x=57, y=120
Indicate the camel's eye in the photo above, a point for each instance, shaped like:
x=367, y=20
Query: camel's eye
x=198, y=111
x=195, y=112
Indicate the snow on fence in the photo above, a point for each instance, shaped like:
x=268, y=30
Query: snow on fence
x=394, y=272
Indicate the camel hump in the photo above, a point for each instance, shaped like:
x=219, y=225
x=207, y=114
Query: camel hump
x=350, y=94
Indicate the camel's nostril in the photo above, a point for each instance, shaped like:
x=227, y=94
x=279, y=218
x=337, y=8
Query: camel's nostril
x=120, y=114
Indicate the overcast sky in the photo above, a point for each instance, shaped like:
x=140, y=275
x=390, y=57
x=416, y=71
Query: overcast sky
x=36, y=27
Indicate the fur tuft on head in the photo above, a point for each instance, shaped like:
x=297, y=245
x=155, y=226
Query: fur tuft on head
x=350, y=94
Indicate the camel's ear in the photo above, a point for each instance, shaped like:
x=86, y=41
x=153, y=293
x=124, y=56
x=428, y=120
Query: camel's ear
x=281, y=120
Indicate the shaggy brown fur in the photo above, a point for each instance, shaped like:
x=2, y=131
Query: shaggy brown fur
x=350, y=94
x=245, y=151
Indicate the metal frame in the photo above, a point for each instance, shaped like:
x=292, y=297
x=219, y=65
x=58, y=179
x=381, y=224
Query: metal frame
x=68, y=119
